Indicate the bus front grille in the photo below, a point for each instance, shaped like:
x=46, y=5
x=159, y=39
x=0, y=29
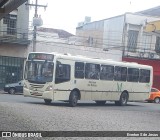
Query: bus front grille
x=36, y=86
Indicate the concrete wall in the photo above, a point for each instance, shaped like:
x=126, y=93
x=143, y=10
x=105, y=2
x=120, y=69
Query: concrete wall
x=91, y=34
x=13, y=50
x=113, y=32
x=23, y=21
x=138, y=19
x=78, y=50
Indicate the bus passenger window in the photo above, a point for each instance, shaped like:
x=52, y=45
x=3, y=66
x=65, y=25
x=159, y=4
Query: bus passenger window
x=120, y=73
x=123, y=74
x=117, y=73
x=144, y=76
x=107, y=72
x=92, y=71
x=133, y=75
x=79, y=70
x=62, y=73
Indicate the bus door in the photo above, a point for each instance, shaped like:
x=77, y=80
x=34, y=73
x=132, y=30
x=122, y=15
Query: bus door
x=93, y=76
x=62, y=80
x=82, y=81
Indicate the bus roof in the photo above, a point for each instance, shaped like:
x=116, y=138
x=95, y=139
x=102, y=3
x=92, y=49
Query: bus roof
x=96, y=60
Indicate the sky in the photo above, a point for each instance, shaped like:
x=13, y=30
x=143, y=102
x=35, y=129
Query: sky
x=66, y=14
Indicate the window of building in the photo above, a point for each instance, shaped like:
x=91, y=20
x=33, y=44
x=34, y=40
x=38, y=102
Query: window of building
x=157, y=45
x=90, y=41
x=132, y=40
x=107, y=72
x=146, y=40
x=92, y=71
x=11, y=21
x=79, y=70
x=11, y=70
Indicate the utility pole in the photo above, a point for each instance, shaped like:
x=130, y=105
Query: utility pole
x=36, y=23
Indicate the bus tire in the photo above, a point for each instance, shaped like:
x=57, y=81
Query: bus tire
x=73, y=98
x=100, y=102
x=123, y=99
x=47, y=101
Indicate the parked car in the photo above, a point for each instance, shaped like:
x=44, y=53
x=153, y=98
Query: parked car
x=154, y=96
x=14, y=87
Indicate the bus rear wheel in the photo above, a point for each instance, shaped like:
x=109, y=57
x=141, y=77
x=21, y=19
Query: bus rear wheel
x=100, y=102
x=47, y=101
x=73, y=99
x=123, y=99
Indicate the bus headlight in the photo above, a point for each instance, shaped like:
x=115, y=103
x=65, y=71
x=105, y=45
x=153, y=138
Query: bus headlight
x=25, y=86
x=49, y=88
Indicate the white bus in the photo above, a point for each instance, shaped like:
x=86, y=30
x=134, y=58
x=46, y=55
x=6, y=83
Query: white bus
x=53, y=76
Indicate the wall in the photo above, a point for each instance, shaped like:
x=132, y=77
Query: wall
x=77, y=50
x=13, y=50
x=113, y=32
x=138, y=19
x=91, y=34
x=23, y=21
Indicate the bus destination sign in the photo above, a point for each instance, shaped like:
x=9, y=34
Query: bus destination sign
x=40, y=56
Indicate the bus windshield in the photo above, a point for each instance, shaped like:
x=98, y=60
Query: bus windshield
x=39, y=71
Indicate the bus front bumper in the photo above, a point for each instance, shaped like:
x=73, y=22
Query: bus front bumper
x=38, y=94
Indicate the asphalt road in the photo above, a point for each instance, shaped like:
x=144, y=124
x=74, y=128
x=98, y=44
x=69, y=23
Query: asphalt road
x=19, y=113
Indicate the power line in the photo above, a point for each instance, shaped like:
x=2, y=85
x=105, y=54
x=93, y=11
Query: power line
x=112, y=43
x=111, y=46
x=109, y=42
x=74, y=48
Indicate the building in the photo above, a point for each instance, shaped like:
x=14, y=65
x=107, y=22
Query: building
x=13, y=44
x=57, y=40
x=125, y=33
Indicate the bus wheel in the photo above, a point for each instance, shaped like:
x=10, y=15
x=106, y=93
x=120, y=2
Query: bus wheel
x=157, y=100
x=123, y=99
x=100, y=102
x=73, y=99
x=47, y=101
